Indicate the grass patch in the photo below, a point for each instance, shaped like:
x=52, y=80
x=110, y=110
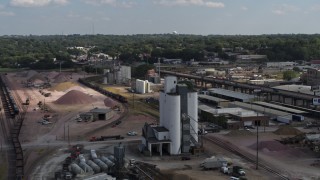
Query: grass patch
x=7, y=70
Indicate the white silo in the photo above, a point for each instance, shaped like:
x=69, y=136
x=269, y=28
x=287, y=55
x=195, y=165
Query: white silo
x=170, y=84
x=170, y=119
x=193, y=113
x=105, y=74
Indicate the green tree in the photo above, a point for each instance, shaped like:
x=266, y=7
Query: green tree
x=288, y=75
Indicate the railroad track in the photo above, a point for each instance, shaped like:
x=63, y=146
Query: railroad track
x=229, y=147
x=17, y=112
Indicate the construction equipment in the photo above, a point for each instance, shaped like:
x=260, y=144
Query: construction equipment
x=213, y=163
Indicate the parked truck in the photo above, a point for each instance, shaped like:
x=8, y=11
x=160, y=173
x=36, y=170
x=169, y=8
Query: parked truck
x=285, y=119
x=235, y=171
x=213, y=163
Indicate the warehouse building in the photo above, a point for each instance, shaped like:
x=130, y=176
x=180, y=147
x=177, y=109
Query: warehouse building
x=231, y=95
x=233, y=118
x=101, y=114
x=213, y=100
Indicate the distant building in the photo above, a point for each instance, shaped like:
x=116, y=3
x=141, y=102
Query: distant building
x=280, y=64
x=315, y=63
x=313, y=77
x=172, y=61
x=142, y=86
x=252, y=56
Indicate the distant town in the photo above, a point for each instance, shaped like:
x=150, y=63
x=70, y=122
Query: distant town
x=162, y=106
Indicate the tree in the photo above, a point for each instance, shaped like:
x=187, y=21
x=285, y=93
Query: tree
x=288, y=75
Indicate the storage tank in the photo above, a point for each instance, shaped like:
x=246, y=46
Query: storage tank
x=111, y=158
x=76, y=169
x=170, y=118
x=108, y=162
x=93, y=154
x=94, y=166
x=81, y=158
x=119, y=154
x=101, y=164
x=193, y=113
x=170, y=84
x=86, y=167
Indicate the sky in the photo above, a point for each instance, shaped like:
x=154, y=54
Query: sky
x=127, y=17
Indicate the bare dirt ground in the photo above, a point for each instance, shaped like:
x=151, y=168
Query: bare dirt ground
x=63, y=120
x=293, y=161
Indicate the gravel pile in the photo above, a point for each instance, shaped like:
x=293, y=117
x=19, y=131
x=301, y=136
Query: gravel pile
x=61, y=77
x=37, y=77
x=287, y=130
x=239, y=133
x=74, y=97
x=63, y=86
x=110, y=102
x=269, y=146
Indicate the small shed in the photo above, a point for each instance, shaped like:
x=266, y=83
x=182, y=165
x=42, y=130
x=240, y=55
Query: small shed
x=101, y=114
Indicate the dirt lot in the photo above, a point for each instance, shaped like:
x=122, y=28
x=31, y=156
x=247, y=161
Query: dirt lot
x=294, y=163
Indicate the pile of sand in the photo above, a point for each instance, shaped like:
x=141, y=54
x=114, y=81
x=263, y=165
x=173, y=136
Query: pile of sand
x=287, y=130
x=239, y=133
x=52, y=74
x=74, y=97
x=60, y=78
x=78, y=88
x=30, y=73
x=110, y=102
x=37, y=78
x=63, y=86
x=269, y=146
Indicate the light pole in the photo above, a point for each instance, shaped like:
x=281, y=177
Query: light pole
x=258, y=124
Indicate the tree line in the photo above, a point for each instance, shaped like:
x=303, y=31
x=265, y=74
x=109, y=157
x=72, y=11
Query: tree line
x=38, y=51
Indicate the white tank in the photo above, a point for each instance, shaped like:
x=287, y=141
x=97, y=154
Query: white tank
x=105, y=80
x=193, y=113
x=81, y=158
x=170, y=84
x=76, y=169
x=170, y=119
x=107, y=161
x=111, y=158
x=93, y=154
x=94, y=166
x=86, y=167
x=101, y=164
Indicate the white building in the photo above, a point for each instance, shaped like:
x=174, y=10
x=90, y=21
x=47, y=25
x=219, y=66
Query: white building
x=142, y=86
x=178, y=130
x=280, y=64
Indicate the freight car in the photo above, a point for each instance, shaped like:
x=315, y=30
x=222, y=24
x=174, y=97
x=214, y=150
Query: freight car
x=103, y=91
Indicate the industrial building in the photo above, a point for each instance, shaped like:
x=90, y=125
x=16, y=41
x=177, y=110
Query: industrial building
x=235, y=118
x=97, y=114
x=213, y=100
x=280, y=64
x=178, y=129
x=231, y=95
x=142, y=86
x=117, y=75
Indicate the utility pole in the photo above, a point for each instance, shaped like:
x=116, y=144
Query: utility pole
x=257, y=160
x=64, y=131
x=68, y=136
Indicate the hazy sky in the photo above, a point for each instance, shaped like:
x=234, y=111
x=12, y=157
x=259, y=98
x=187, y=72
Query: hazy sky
x=38, y=17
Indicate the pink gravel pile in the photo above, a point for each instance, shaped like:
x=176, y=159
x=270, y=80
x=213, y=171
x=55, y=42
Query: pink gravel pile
x=60, y=78
x=74, y=97
x=110, y=102
x=270, y=146
x=37, y=77
x=287, y=130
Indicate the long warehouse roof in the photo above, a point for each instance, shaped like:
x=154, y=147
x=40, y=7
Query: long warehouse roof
x=232, y=94
x=211, y=98
x=258, y=108
x=281, y=108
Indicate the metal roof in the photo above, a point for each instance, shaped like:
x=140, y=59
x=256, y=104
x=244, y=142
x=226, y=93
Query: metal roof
x=100, y=110
x=254, y=107
x=232, y=94
x=282, y=108
x=160, y=129
x=211, y=98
